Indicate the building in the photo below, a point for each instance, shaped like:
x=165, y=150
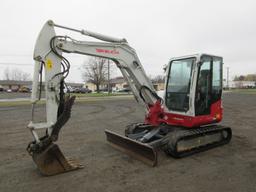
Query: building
x=159, y=86
x=75, y=85
x=90, y=86
x=116, y=84
x=15, y=85
x=239, y=84
x=119, y=83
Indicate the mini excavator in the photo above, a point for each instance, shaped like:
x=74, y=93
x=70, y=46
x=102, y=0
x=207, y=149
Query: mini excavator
x=184, y=121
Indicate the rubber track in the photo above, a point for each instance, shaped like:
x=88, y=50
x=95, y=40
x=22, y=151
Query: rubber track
x=171, y=147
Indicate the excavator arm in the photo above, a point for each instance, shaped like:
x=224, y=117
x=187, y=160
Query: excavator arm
x=48, y=54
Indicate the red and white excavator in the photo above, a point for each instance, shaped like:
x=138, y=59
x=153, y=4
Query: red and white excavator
x=182, y=122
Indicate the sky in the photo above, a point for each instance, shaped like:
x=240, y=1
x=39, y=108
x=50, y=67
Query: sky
x=158, y=30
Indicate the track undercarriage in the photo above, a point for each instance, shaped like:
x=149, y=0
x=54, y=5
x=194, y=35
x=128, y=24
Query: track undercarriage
x=142, y=141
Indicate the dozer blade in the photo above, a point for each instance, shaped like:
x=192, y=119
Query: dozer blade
x=51, y=161
x=138, y=150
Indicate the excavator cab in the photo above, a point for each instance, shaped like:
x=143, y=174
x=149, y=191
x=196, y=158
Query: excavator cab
x=194, y=86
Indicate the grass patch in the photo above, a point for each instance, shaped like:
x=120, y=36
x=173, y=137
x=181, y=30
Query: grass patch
x=79, y=98
x=17, y=103
x=96, y=94
x=245, y=91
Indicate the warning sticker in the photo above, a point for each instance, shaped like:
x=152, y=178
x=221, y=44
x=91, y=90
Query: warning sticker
x=49, y=64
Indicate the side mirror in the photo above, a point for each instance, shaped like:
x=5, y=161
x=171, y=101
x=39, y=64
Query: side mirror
x=165, y=67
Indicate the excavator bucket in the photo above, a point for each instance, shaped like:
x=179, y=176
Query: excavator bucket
x=49, y=159
x=52, y=161
x=138, y=150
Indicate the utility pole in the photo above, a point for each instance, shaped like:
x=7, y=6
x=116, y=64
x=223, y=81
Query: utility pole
x=108, y=79
x=228, y=78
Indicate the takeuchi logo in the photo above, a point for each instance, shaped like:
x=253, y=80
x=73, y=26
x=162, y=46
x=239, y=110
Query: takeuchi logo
x=107, y=51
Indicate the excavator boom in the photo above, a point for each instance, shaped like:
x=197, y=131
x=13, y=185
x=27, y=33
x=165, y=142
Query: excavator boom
x=48, y=55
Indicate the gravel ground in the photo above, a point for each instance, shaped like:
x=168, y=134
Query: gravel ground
x=228, y=168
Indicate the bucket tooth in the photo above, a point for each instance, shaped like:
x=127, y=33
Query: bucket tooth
x=138, y=150
x=51, y=161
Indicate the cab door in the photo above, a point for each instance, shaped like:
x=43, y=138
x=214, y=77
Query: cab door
x=209, y=84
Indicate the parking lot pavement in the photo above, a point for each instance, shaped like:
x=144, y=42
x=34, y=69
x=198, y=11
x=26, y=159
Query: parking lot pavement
x=230, y=168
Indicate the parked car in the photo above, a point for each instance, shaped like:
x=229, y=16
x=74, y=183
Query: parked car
x=68, y=89
x=15, y=89
x=124, y=90
x=76, y=90
x=82, y=90
x=105, y=90
x=85, y=90
x=24, y=90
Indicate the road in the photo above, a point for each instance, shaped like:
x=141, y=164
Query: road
x=228, y=168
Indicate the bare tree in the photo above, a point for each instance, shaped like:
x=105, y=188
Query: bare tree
x=7, y=74
x=16, y=74
x=158, y=79
x=25, y=76
x=95, y=71
x=249, y=77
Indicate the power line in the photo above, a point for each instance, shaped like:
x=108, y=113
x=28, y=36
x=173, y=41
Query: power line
x=31, y=56
x=6, y=63
x=27, y=64
x=15, y=55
